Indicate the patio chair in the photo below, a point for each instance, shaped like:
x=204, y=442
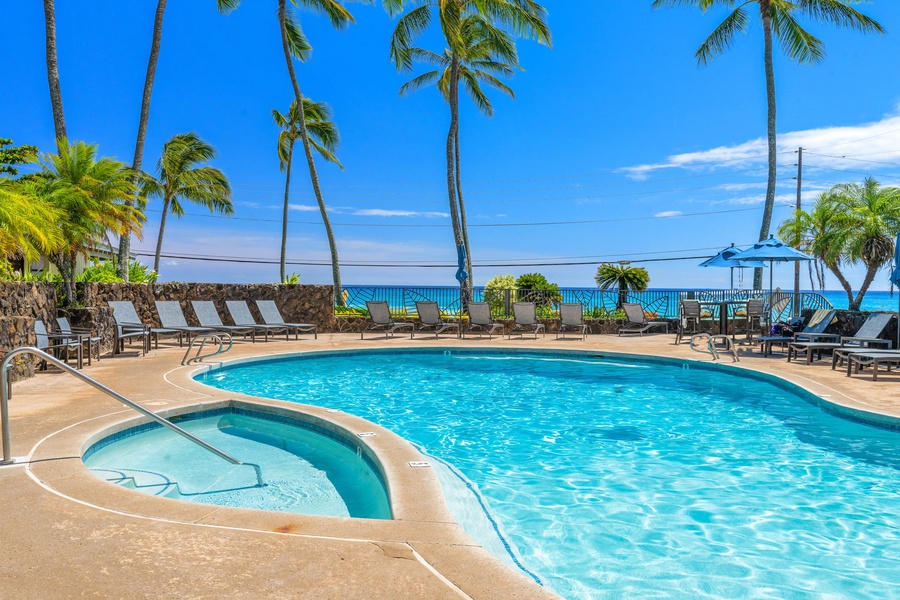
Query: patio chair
x=525, y=319
x=54, y=343
x=129, y=326
x=240, y=314
x=172, y=317
x=430, y=319
x=637, y=320
x=690, y=322
x=380, y=320
x=865, y=336
x=755, y=312
x=272, y=316
x=88, y=339
x=208, y=316
x=571, y=318
x=818, y=321
x=480, y=320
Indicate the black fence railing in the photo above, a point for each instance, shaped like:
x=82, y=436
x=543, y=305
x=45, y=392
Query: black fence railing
x=596, y=303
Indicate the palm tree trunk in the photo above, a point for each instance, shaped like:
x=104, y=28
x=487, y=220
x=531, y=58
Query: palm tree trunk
x=844, y=283
x=59, y=119
x=453, y=101
x=307, y=148
x=162, y=228
x=871, y=271
x=462, y=211
x=65, y=262
x=125, y=239
x=284, y=216
x=765, y=8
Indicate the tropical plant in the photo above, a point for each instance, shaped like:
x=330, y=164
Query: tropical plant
x=324, y=138
x=224, y=7
x=108, y=272
x=478, y=48
x=12, y=157
x=292, y=279
x=534, y=287
x=779, y=19
x=90, y=193
x=852, y=224
x=495, y=291
x=622, y=277
x=185, y=176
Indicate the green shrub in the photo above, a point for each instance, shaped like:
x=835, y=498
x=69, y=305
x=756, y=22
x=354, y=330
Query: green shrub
x=494, y=291
x=534, y=287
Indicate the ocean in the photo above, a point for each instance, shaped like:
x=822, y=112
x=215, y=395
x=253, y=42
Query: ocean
x=872, y=301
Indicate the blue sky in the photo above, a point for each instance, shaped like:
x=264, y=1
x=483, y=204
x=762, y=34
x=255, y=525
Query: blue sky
x=616, y=136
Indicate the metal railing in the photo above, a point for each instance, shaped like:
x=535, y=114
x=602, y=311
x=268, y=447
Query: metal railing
x=596, y=303
x=5, y=395
x=203, y=338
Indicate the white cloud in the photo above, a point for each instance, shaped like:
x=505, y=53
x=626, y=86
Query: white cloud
x=303, y=207
x=844, y=146
x=668, y=213
x=380, y=212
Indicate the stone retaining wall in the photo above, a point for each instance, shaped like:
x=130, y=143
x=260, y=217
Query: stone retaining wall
x=21, y=303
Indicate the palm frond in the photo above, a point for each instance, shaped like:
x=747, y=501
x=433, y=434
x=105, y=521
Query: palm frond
x=417, y=83
x=838, y=12
x=722, y=36
x=339, y=16
x=797, y=43
x=409, y=27
x=298, y=44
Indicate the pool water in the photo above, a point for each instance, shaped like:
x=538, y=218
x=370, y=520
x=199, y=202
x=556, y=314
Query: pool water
x=304, y=471
x=621, y=478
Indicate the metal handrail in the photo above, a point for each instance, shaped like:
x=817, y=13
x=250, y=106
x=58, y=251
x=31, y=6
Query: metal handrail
x=216, y=337
x=4, y=408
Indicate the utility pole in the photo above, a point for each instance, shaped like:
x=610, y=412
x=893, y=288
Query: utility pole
x=797, y=216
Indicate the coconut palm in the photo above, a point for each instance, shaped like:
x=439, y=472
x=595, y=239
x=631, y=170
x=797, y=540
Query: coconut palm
x=522, y=17
x=779, y=19
x=59, y=119
x=184, y=175
x=224, y=7
x=29, y=225
x=324, y=138
x=90, y=193
x=486, y=54
x=622, y=277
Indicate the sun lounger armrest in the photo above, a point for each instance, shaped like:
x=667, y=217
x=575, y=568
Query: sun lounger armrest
x=866, y=342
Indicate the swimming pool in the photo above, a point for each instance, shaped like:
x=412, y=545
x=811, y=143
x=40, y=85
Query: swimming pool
x=625, y=477
x=306, y=468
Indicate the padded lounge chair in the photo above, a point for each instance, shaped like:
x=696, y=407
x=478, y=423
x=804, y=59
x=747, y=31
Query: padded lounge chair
x=88, y=339
x=52, y=343
x=430, y=319
x=818, y=321
x=172, y=317
x=240, y=314
x=866, y=335
x=130, y=326
x=480, y=320
x=380, y=320
x=208, y=316
x=637, y=320
x=525, y=319
x=571, y=318
x=272, y=316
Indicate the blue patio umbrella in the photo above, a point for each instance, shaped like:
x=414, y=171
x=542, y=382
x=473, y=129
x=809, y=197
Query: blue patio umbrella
x=724, y=259
x=895, y=279
x=771, y=250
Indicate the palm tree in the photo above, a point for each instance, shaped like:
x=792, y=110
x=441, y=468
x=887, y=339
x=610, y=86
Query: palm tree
x=59, y=119
x=29, y=225
x=523, y=17
x=622, y=277
x=184, y=175
x=323, y=136
x=779, y=19
x=486, y=53
x=90, y=193
x=224, y=7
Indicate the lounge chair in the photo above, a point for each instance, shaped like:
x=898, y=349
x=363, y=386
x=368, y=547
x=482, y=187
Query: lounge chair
x=88, y=339
x=380, y=320
x=54, y=342
x=818, y=321
x=430, y=319
x=240, y=314
x=637, y=320
x=571, y=318
x=208, y=316
x=272, y=316
x=865, y=336
x=130, y=326
x=480, y=320
x=839, y=355
x=525, y=319
x=172, y=317
x=871, y=357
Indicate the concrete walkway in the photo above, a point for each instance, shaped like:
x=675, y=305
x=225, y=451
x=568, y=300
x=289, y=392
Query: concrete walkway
x=69, y=534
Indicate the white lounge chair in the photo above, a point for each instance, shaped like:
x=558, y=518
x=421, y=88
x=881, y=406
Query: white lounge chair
x=171, y=317
x=241, y=315
x=208, y=316
x=272, y=316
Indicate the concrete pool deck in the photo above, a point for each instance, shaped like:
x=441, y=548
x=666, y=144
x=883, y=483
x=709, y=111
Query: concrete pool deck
x=67, y=533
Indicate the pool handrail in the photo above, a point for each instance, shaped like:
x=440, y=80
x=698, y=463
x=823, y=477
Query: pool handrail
x=4, y=408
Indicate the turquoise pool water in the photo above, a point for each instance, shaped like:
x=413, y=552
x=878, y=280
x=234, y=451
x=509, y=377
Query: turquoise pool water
x=616, y=478
x=305, y=471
